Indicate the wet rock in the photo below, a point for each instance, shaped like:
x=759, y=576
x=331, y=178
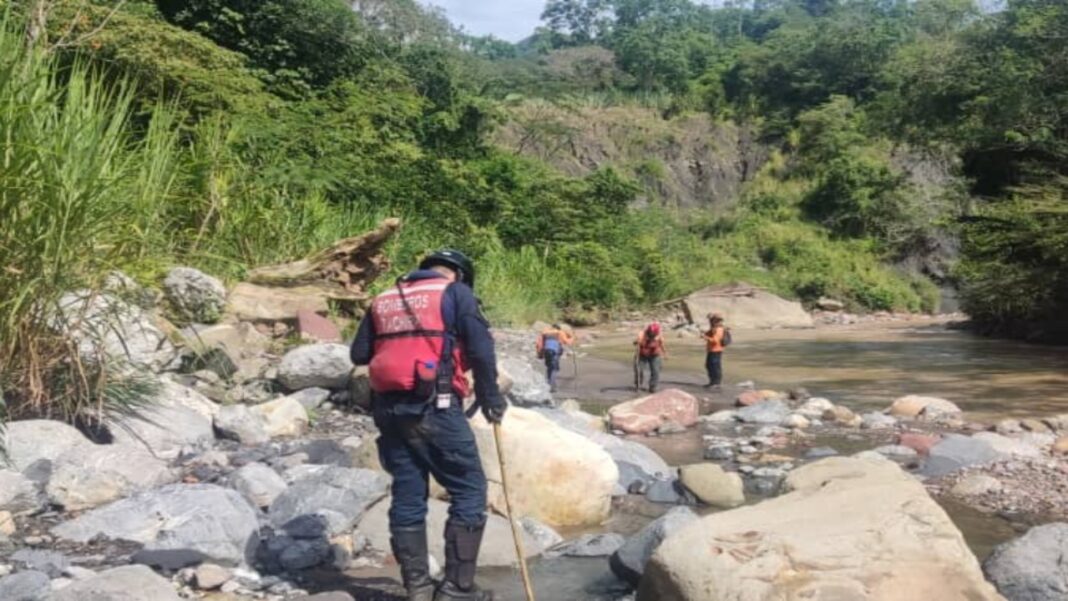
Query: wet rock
x=240, y=423
x=339, y=495
x=210, y=576
x=648, y=413
x=768, y=412
x=17, y=492
x=126, y=583
x=924, y=407
x=955, y=452
x=52, y=563
x=976, y=484
x=258, y=483
x=712, y=485
x=823, y=523
x=28, y=585
x=284, y=417
x=921, y=443
x=316, y=366
x=629, y=561
x=896, y=450
x=194, y=296
x=588, y=545
x=820, y=453
x=198, y=520
x=1008, y=446
x=89, y=476
x=497, y=548
x=877, y=421
x=815, y=407
x=1032, y=567
x=34, y=440
x=559, y=477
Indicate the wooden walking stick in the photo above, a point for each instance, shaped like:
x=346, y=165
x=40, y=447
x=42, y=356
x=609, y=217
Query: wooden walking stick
x=511, y=516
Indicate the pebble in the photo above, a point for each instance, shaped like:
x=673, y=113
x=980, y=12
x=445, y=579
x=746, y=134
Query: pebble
x=7, y=523
x=719, y=453
x=210, y=576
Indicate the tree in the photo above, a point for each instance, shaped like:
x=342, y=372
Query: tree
x=577, y=22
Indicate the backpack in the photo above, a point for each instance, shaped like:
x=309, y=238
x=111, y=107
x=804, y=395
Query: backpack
x=727, y=338
x=550, y=344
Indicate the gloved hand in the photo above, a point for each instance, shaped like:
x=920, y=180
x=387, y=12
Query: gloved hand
x=494, y=414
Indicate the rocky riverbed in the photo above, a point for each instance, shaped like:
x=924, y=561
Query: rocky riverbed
x=253, y=474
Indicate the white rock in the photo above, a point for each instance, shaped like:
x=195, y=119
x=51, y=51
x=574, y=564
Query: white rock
x=316, y=366
x=815, y=407
x=30, y=441
x=102, y=324
x=260, y=484
x=86, y=477
x=283, y=417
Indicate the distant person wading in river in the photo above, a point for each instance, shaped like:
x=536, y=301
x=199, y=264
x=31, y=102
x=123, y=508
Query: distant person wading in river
x=551, y=346
x=649, y=354
x=717, y=338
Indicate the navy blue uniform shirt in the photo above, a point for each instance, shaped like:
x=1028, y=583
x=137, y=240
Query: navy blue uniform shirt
x=462, y=315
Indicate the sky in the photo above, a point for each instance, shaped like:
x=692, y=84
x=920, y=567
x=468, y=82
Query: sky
x=510, y=20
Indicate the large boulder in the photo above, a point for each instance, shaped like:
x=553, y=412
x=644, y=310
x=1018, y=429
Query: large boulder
x=203, y=521
x=170, y=426
x=712, y=485
x=848, y=529
x=648, y=413
x=746, y=307
x=249, y=302
x=194, y=296
x=924, y=407
x=528, y=385
x=30, y=441
x=17, y=492
x=316, y=366
x=124, y=583
x=629, y=561
x=104, y=325
x=242, y=347
x=955, y=452
x=339, y=495
x=1032, y=567
x=497, y=546
x=89, y=476
x=557, y=476
x=27, y=585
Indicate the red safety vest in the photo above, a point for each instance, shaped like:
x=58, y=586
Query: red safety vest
x=405, y=339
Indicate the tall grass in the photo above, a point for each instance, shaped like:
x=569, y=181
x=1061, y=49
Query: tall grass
x=74, y=192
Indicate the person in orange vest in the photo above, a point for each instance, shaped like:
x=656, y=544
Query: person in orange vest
x=551, y=345
x=716, y=340
x=650, y=353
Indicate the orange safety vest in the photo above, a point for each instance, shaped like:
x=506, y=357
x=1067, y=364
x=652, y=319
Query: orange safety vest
x=714, y=339
x=650, y=348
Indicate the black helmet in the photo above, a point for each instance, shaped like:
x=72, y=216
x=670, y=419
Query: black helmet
x=455, y=260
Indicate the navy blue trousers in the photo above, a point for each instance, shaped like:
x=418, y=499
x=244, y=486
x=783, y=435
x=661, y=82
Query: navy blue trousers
x=552, y=368
x=414, y=445
x=714, y=367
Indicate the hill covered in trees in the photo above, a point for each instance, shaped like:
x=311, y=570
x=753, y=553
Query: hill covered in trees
x=871, y=150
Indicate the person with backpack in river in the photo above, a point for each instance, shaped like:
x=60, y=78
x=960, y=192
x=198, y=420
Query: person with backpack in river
x=551, y=345
x=717, y=338
x=649, y=354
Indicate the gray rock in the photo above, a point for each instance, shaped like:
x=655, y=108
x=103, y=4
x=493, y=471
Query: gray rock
x=631, y=476
x=327, y=452
x=330, y=596
x=104, y=325
x=529, y=387
x=877, y=421
x=194, y=296
x=820, y=453
x=18, y=493
x=669, y=492
x=180, y=419
x=719, y=452
x=202, y=520
x=87, y=477
x=629, y=561
x=52, y=563
x=28, y=585
x=1032, y=567
x=304, y=554
x=588, y=545
x=258, y=483
x=543, y=533
x=34, y=440
x=955, y=452
x=238, y=422
x=125, y=583
x=316, y=366
x=636, y=454
x=340, y=495
x=311, y=398
x=767, y=412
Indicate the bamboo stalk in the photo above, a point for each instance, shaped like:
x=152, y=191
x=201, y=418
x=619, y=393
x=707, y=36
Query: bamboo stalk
x=511, y=516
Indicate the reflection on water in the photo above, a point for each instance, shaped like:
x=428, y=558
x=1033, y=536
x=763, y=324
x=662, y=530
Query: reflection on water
x=866, y=367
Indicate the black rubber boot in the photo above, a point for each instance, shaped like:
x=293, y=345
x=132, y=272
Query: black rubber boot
x=461, y=558
x=409, y=547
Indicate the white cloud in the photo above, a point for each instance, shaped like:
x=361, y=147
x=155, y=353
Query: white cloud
x=511, y=20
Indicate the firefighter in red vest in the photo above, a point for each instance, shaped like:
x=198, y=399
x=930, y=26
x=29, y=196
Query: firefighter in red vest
x=419, y=339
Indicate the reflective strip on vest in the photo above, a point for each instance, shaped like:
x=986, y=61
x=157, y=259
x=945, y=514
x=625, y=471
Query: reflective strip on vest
x=406, y=337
